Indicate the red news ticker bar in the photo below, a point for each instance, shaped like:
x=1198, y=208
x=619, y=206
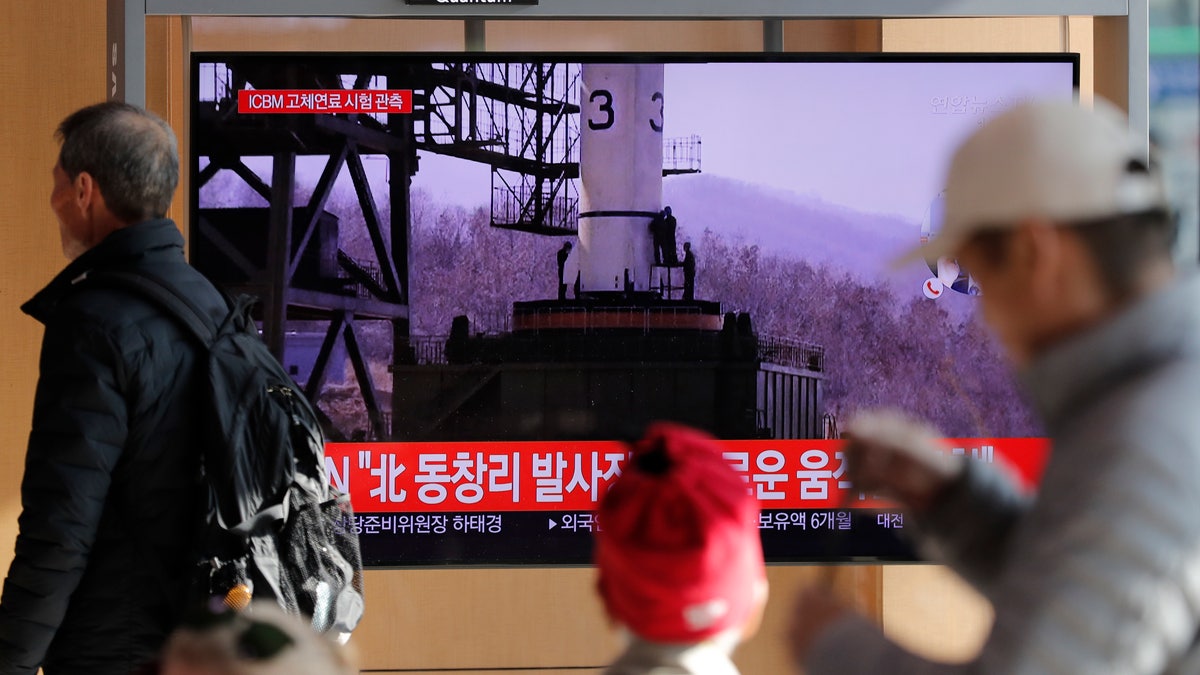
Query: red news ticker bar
x=571, y=476
x=322, y=101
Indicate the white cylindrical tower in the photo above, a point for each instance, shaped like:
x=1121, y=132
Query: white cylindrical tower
x=620, y=171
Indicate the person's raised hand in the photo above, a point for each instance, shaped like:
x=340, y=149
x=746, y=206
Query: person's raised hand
x=897, y=458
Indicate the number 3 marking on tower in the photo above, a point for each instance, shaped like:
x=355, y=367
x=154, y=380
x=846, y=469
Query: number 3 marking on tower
x=657, y=125
x=605, y=107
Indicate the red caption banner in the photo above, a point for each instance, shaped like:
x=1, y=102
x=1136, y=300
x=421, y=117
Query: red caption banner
x=321, y=101
x=571, y=476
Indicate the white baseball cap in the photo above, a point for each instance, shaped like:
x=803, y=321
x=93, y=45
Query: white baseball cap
x=1052, y=160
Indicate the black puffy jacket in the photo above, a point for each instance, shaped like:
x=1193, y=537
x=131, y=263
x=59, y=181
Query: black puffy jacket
x=109, y=497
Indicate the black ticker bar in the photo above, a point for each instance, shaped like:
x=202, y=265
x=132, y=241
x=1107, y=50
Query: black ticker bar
x=553, y=538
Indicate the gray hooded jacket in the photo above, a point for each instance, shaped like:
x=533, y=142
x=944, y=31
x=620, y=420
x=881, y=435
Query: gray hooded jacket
x=1100, y=572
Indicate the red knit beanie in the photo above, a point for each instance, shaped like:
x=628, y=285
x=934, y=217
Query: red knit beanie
x=678, y=550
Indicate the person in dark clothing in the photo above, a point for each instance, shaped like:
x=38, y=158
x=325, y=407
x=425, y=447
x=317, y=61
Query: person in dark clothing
x=729, y=341
x=747, y=336
x=662, y=229
x=110, y=493
x=655, y=228
x=670, y=255
x=563, y=254
x=689, y=272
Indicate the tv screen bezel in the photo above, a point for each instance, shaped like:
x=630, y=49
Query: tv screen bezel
x=349, y=59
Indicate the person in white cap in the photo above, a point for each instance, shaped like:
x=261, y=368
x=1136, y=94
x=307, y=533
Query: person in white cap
x=1059, y=217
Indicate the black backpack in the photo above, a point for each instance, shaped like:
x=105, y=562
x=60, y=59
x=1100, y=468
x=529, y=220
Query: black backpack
x=273, y=526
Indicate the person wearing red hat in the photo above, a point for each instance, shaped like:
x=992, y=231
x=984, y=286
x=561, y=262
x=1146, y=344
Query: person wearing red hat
x=679, y=557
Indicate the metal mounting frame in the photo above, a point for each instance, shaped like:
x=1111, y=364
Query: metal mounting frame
x=127, y=20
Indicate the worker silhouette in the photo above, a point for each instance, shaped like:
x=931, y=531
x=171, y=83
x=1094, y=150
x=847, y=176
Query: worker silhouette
x=689, y=272
x=662, y=229
x=563, y=254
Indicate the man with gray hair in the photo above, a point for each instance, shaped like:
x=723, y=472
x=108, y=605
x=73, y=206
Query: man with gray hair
x=110, y=497
x=1064, y=224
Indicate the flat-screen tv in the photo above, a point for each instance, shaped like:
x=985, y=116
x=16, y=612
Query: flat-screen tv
x=491, y=271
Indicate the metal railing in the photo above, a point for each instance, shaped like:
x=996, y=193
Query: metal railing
x=791, y=353
x=431, y=350
x=630, y=316
x=365, y=276
x=520, y=200
x=682, y=155
x=492, y=322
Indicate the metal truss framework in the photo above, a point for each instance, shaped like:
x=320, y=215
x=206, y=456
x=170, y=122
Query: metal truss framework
x=517, y=118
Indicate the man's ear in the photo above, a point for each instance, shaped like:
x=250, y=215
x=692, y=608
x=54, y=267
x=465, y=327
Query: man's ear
x=84, y=190
x=91, y=202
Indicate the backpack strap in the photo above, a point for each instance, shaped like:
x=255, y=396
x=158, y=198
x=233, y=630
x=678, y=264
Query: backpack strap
x=153, y=288
x=163, y=295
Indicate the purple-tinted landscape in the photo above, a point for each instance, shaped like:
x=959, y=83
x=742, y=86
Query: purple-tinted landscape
x=814, y=177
